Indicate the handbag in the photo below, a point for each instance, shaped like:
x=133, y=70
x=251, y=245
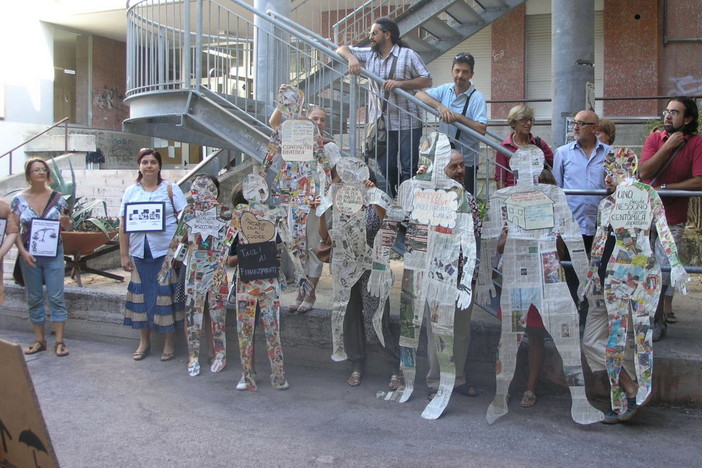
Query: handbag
x=17, y=272
x=375, y=142
x=323, y=250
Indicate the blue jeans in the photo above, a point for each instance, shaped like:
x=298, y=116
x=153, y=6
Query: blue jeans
x=404, y=143
x=49, y=271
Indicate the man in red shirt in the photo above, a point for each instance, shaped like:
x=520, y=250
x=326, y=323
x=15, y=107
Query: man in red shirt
x=672, y=160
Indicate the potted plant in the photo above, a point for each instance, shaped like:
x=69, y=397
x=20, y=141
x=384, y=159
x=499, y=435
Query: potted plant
x=88, y=232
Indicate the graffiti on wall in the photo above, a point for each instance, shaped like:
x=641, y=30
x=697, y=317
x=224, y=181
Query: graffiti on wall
x=686, y=86
x=109, y=99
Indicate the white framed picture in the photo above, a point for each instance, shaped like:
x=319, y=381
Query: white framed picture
x=44, y=237
x=145, y=217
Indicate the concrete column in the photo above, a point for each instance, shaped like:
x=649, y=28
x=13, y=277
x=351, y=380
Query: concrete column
x=272, y=54
x=572, y=60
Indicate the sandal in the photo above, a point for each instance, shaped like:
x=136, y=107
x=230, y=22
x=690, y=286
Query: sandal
x=671, y=318
x=36, y=347
x=139, y=355
x=305, y=307
x=466, y=390
x=60, y=349
x=354, y=379
x=167, y=356
x=396, y=381
x=292, y=308
x=528, y=399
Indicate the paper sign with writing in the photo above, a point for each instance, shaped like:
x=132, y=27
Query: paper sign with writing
x=257, y=261
x=632, y=209
x=530, y=210
x=206, y=223
x=348, y=199
x=435, y=207
x=256, y=230
x=297, y=140
x=44, y=237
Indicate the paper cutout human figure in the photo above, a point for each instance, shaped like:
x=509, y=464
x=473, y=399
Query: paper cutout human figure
x=352, y=256
x=253, y=226
x=632, y=283
x=200, y=241
x=440, y=229
x=296, y=166
x=536, y=214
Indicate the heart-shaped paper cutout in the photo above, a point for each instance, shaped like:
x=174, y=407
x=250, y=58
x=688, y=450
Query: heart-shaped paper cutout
x=256, y=230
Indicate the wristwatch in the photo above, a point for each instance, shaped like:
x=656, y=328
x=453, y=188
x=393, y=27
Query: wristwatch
x=663, y=186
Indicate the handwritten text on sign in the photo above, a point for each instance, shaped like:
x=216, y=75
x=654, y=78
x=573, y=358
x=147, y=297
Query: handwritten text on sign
x=435, y=207
x=257, y=261
x=348, y=200
x=632, y=209
x=530, y=210
x=297, y=140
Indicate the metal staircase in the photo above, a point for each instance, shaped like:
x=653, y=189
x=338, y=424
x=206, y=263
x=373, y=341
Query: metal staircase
x=191, y=65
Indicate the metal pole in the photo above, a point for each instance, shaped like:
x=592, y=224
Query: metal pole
x=572, y=60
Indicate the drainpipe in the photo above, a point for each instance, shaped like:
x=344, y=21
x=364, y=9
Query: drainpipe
x=572, y=60
x=272, y=58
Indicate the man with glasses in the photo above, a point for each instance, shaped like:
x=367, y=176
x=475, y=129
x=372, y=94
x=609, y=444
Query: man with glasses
x=579, y=164
x=460, y=102
x=401, y=67
x=672, y=160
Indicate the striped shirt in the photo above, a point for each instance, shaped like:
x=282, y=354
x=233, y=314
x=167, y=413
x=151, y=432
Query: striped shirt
x=400, y=113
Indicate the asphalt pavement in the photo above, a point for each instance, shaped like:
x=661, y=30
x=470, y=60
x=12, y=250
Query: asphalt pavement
x=103, y=409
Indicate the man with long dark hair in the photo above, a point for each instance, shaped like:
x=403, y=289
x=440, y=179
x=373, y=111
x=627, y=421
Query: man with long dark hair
x=401, y=67
x=672, y=159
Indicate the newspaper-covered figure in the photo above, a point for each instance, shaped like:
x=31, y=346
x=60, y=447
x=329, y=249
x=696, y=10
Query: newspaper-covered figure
x=439, y=231
x=352, y=256
x=536, y=214
x=261, y=233
x=199, y=242
x=296, y=166
x=632, y=282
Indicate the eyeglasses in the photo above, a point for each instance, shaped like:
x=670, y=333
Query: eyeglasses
x=40, y=171
x=578, y=123
x=672, y=113
x=374, y=33
x=527, y=120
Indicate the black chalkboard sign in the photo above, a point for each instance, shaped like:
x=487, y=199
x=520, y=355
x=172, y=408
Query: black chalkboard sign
x=257, y=261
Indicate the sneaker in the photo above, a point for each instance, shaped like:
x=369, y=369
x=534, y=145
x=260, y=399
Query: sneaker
x=631, y=409
x=659, y=330
x=243, y=385
x=610, y=417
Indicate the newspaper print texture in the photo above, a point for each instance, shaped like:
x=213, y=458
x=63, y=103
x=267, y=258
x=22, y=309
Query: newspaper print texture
x=295, y=184
x=535, y=215
x=201, y=230
x=352, y=256
x=264, y=293
x=440, y=227
x=632, y=285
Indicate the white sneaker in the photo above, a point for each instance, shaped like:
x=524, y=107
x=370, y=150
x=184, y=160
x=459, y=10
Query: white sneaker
x=243, y=385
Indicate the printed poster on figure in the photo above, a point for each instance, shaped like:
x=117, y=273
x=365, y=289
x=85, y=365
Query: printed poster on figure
x=297, y=140
x=44, y=237
x=144, y=217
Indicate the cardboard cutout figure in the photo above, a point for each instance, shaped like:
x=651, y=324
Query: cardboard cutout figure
x=632, y=283
x=296, y=167
x=352, y=255
x=261, y=232
x=536, y=214
x=200, y=243
x=440, y=229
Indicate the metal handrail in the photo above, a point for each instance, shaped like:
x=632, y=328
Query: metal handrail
x=62, y=121
x=364, y=72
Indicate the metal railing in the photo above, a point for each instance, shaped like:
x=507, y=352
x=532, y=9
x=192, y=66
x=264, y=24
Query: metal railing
x=63, y=121
x=191, y=45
